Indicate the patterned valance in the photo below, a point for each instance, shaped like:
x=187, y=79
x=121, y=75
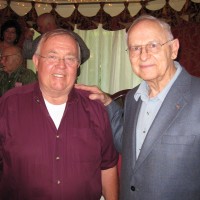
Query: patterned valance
x=113, y=15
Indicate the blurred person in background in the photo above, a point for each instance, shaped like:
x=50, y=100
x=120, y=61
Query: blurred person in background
x=14, y=74
x=9, y=35
x=46, y=22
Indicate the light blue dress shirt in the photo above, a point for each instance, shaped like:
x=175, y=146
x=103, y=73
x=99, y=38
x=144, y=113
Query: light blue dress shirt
x=150, y=107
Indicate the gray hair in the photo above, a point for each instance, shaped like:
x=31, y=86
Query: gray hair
x=57, y=32
x=164, y=25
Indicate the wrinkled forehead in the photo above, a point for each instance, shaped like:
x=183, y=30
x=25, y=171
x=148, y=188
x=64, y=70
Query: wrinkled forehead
x=146, y=29
x=147, y=24
x=64, y=38
x=56, y=41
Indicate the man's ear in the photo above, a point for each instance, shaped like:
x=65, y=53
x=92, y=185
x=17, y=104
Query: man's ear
x=175, y=48
x=35, y=61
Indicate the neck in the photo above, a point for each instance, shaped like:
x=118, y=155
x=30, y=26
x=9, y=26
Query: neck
x=55, y=98
x=157, y=85
x=7, y=44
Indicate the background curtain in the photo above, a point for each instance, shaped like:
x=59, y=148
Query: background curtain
x=109, y=66
x=103, y=27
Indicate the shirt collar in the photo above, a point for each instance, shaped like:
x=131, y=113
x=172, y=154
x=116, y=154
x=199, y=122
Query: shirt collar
x=38, y=95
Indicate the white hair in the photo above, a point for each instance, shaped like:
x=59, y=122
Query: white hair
x=164, y=25
x=56, y=32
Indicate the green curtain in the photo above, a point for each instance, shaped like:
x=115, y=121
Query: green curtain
x=109, y=66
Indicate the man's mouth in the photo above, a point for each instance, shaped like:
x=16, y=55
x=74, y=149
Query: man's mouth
x=58, y=75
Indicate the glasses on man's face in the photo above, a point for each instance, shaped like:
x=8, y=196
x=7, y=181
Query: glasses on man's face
x=7, y=56
x=53, y=59
x=151, y=47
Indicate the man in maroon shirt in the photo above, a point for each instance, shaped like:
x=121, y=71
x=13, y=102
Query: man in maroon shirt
x=55, y=143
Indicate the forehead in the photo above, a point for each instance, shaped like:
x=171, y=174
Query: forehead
x=57, y=42
x=11, y=29
x=146, y=30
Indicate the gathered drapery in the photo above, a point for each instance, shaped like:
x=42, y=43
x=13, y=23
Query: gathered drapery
x=105, y=35
x=109, y=66
x=112, y=16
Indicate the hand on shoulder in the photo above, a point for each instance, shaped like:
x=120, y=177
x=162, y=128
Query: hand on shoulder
x=96, y=93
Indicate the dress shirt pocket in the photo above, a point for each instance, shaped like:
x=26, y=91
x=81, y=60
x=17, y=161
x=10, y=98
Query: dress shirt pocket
x=85, y=145
x=178, y=140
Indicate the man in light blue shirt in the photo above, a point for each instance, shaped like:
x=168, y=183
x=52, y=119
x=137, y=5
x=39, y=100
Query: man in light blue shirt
x=158, y=132
x=150, y=107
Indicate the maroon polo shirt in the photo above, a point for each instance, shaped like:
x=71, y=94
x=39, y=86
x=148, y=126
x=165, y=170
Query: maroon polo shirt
x=43, y=163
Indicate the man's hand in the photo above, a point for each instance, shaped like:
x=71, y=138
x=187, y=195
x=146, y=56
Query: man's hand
x=96, y=93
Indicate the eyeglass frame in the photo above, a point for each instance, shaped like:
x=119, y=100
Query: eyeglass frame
x=58, y=59
x=5, y=56
x=146, y=45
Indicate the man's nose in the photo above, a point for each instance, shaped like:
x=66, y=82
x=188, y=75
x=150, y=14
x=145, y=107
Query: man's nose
x=144, y=54
x=61, y=63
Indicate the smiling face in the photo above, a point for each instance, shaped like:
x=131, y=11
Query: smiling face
x=57, y=76
x=153, y=67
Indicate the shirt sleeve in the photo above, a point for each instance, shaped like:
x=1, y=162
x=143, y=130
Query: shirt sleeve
x=109, y=153
x=2, y=131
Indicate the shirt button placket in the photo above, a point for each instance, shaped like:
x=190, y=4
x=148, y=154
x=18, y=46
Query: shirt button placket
x=58, y=182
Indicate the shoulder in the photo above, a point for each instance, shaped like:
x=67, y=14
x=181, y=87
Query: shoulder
x=84, y=95
x=195, y=81
x=24, y=69
x=190, y=82
x=195, y=86
x=85, y=101
x=26, y=73
x=131, y=93
x=19, y=92
x=2, y=73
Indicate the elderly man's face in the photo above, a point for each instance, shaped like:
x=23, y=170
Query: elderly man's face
x=57, y=65
x=154, y=67
x=10, y=59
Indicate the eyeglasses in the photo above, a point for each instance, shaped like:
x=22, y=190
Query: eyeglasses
x=52, y=59
x=6, y=56
x=151, y=47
